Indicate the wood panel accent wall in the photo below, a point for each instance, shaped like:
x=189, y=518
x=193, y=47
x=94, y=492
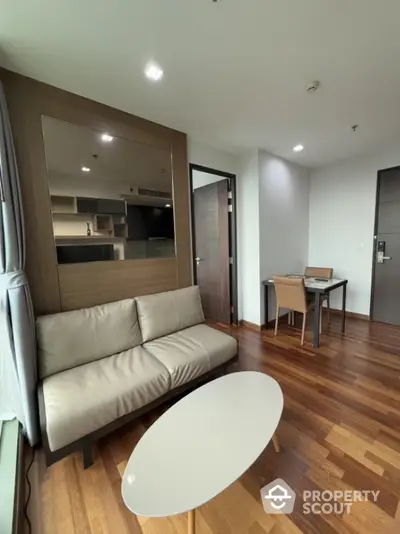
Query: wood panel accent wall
x=88, y=284
x=65, y=287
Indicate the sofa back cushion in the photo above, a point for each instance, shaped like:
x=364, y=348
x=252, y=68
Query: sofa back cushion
x=165, y=313
x=68, y=339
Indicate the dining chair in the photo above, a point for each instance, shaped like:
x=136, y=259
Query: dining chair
x=321, y=272
x=291, y=294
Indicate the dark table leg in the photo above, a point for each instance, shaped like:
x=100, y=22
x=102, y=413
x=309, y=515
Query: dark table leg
x=266, y=306
x=344, y=307
x=317, y=311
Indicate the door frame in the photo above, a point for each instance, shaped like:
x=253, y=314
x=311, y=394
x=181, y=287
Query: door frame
x=233, y=270
x=378, y=184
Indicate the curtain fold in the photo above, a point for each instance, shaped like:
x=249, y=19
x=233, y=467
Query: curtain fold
x=18, y=374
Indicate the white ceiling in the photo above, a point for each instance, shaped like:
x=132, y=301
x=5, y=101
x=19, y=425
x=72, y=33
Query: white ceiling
x=235, y=70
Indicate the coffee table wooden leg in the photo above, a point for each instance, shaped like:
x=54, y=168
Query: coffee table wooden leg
x=191, y=522
x=276, y=443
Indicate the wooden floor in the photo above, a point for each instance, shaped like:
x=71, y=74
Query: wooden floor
x=340, y=429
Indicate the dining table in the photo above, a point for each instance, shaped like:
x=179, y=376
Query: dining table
x=317, y=287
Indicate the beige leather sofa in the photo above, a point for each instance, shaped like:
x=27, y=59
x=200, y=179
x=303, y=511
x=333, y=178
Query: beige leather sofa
x=103, y=366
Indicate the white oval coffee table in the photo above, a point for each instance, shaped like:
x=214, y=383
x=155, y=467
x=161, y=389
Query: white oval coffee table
x=202, y=444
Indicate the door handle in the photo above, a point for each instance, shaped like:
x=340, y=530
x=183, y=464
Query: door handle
x=198, y=260
x=380, y=256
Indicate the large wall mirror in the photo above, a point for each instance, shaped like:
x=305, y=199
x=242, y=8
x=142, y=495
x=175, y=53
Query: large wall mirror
x=111, y=198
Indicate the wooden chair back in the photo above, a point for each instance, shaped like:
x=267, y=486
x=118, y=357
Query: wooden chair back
x=290, y=293
x=319, y=272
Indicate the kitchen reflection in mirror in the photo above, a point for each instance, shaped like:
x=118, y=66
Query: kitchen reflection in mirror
x=111, y=198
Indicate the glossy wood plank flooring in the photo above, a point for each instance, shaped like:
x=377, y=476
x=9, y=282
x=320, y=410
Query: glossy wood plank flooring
x=340, y=430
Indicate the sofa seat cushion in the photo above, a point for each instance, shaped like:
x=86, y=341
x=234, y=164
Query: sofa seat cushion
x=82, y=400
x=192, y=352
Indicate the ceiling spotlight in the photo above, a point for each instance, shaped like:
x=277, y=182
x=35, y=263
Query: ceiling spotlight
x=298, y=148
x=85, y=169
x=107, y=138
x=167, y=205
x=153, y=72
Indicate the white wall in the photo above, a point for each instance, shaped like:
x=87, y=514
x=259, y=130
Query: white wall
x=342, y=213
x=249, y=239
x=200, y=179
x=211, y=157
x=278, y=207
x=284, y=219
x=272, y=219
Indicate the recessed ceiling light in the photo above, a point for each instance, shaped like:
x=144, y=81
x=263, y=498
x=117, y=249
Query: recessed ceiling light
x=167, y=205
x=154, y=72
x=298, y=148
x=85, y=169
x=107, y=138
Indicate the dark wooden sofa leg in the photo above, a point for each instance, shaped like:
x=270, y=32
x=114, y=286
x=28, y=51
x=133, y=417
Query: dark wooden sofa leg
x=87, y=453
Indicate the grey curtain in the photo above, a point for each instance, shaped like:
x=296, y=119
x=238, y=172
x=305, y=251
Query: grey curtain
x=18, y=376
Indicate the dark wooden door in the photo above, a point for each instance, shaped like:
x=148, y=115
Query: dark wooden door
x=386, y=282
x=212, y=249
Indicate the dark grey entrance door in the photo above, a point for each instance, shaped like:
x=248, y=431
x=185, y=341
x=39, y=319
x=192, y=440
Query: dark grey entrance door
x=386, y=280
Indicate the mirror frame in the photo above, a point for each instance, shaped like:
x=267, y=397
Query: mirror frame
x=64, y=287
